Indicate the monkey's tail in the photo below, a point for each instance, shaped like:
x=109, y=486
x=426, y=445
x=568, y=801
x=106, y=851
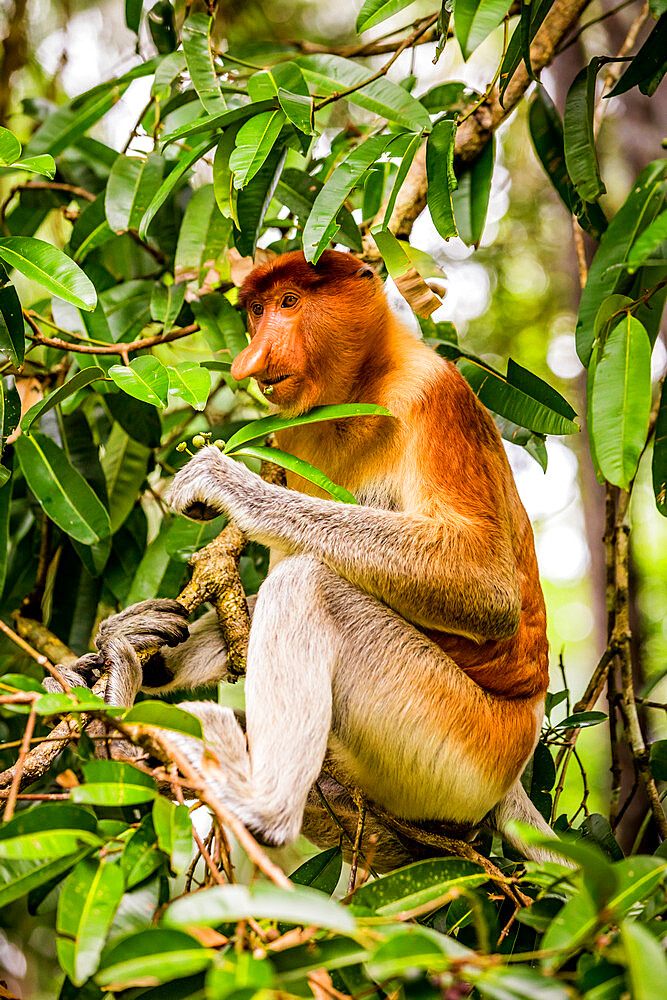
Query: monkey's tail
x=517, y=806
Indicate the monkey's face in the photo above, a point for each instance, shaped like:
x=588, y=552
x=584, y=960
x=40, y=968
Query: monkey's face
x=276, y=356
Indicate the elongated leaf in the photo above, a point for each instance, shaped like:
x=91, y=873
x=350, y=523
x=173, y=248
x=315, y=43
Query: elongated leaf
x=647, y=964
x=78, y=381
x=50, y=268
x=659, y=464
x=223, y=178
x=145, y=378
x=415, y=885
x=69, y=123
x=648, y=67
x=62, y=493
x=124, y=465
x=156, y=955
x=88, y=902
x=299, y=467
x=166, y=303
x=254, y=199
x=196, y=39
x=622, y=400
x=474, y=20
x=299, y=109
x=184, y=163
x=113, y=783
x=536, y=387
x=321, y=872
x=12, y=327
x=36, y=875
x=50, y=830
x=142, y=856
x=653, y=236
x=546, y=132
x=133, y=9
x=330, y=74
x=10, y=147
x=215, y=123
x=254, y=141
x=190, y=383
x=322, y=225
x=521, y=38
x=257, y=430
x=140, y=420
x=580, y=153
x=237, y=902
x=401, y=174
x=90, y=230
x=173, y=827
x=404, y=274
x=297, y=190
x=644, y=202
x=265, y=84
x=222, y=325
x=164, y=716
x=470, y=200
x=130, y=188
x=203, y=237
x=440, y=173
x=376, y=11
x=502, y=397
x=43, y=165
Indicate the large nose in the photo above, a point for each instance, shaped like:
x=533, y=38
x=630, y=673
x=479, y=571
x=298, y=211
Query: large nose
x=253, y=360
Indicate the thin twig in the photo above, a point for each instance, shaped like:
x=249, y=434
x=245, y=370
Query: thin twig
x=613, y=71
x=25, y=746
x=361, y=806
x=38, y=657
x=122, y=349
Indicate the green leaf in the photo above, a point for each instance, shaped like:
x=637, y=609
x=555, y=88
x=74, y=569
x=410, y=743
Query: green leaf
x=474, y=20
x=659, y=760
x=329, y=74
x=238, y=902
x=376, y=11
x=322, y=226
x=190, y=383
x=653, y=236
x=647, y=965
x=622, y=400
x=580, y=154
x=78, y=381
x=299, y=467
x=124, y=464
x=130, y=188
x=43, y=165
x=648, y=67
x=470, y=200
x=196, y=38
x=297, y=190
x=214, y=123
x=644, y=202
x=223, y=178
x=164, y=716
x=536, y=387
x=62, y=493
x=133, y=10
x=173, y=828
x=5, y=513
x=582, y=720
x=203, y=237
x=140, y=420
x=86, y=907
x=80, y=700
x=142, y=857
x=440, y=173
x=90, y=230
x=416, y=885
x=113, y=783
x=254, y=141
x=240, y=977
x=407, y=952
x=254, y=199
x=320, y=872
x=520, y=41
x=51, y=268
x=502, y=397
x=48, y=830
x=546, y=132
x=153, y=956
x=401, y=174
x=659, y=463
x=36, y=875
x=257, y=430
x=166, y=302
x=299, y=109
x=145, y=378
x=69, y=123
x=10, y=147
x=222, y=325
x=184, y=162
x=12, y=328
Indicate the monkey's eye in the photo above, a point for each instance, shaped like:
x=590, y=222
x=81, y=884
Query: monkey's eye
x=289, y=300
x=257, y=308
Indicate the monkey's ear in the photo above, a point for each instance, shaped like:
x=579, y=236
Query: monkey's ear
x=365, y=271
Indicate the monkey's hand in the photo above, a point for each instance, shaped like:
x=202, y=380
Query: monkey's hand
x=146, y=625
x=82, y=673
x=212, y=484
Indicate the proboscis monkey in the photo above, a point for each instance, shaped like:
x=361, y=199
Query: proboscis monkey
x=403, y=637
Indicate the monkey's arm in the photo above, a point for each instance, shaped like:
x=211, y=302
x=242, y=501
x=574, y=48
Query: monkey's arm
x=448, y=575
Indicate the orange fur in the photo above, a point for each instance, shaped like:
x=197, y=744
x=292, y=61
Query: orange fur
x=442, y=460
